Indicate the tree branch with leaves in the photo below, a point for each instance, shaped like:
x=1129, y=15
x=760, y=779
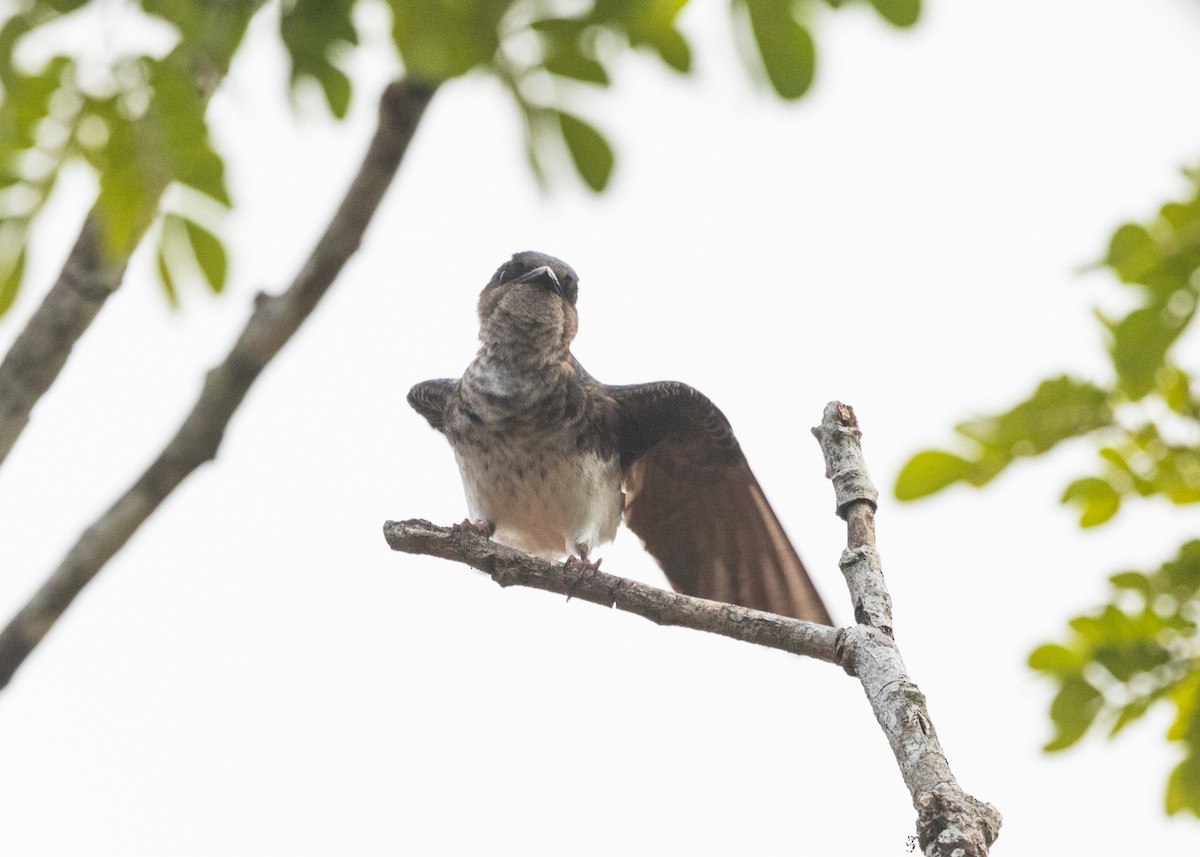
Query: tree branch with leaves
x=1142, y=648
x=142, y=130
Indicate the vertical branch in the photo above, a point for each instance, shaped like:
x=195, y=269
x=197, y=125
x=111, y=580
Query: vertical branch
x=274, y=320
x=950, y=822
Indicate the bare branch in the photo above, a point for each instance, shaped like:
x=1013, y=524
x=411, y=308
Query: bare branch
x=274, y=320
x=92, y=271
x=509, y=567
x=949, y=821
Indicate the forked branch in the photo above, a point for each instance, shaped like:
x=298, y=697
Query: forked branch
x=950, y=823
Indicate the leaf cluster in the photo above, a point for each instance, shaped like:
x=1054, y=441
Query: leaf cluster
x=1139, y=649
x=140, y=123
x=1142, y=647
x=1144, y=422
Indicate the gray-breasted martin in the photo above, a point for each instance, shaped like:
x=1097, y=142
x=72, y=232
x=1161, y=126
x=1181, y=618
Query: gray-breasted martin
x=551, y=458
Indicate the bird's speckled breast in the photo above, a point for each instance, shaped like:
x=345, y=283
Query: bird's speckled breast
x=530, y=465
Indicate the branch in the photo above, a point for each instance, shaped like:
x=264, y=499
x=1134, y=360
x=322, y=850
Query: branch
x=949, y=821
x=510, y=567
x=274, y=320
x=92, y=271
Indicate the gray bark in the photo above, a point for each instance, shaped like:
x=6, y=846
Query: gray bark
x=92, y=271
x=274, y=320
x=950, y=823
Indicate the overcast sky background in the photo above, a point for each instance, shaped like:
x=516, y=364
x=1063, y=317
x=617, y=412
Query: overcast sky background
x=257, y=673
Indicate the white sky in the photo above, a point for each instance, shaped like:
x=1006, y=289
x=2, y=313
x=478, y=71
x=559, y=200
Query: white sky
x=257, y=673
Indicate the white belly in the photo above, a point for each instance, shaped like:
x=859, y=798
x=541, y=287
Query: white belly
x=543, y=501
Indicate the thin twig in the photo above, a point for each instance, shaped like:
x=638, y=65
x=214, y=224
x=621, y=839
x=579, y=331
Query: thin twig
x=274, y=320
x=509, y=567
x=949, y=821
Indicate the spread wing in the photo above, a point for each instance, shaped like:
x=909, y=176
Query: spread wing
x=692, y=499
x=429, y=400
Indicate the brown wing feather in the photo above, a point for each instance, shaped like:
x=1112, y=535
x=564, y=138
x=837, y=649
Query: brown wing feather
x=693, y=500
x=429, y=400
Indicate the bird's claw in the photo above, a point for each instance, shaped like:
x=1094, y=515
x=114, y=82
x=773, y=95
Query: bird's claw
x=484, y=529
x=575, y=563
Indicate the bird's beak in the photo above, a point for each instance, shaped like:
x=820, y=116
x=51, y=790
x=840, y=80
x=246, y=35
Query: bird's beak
x=539, y=273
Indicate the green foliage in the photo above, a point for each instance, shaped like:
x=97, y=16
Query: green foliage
x=1137, y=419
x=789, y=55
x=902, y=13
x=568, y=53
x=1159, y=262
x=784, y=47
x=143, y=129
x=591, y=153
x=315, y=32
x=1142, y=647
x=187, y=249
x=1058, y=410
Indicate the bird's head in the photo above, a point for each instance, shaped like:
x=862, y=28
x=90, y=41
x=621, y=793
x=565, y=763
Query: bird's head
x=529, y=305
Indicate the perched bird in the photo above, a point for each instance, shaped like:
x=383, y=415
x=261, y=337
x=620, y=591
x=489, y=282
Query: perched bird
x=551, y=458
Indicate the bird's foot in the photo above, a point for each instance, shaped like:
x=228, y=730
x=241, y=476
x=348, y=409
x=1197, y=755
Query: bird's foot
x=485, y=529
x=581, y=566
x=581, y=563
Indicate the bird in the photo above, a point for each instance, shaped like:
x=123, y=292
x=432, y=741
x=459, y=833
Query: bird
x=552, y=459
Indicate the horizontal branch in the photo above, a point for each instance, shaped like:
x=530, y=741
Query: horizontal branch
x=274, y=320
x=509, y=567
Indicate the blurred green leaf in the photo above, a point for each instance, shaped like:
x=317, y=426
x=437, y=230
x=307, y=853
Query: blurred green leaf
x=568, y=62
x=1183, y=787
x=130, y=181
x=565, y=30
x=902, y=13
x=1059, y=409
x=1072, y=712
x=178, y=116
x=651, y=23
x=314, y=32
x=442, y=39
x=1180, y=577
x=1138, y=346
x=1131, y=253
x=1095, y=498
x=928, y=472
x=187, y=249
x=1135, y=710
x=187, y=15
x=672, y=47
x=1133, y=580
x=1053, y=658
x=164, y=273
x=209, y=253
x=11, y=272
x=785, y=46
x=1175, y=387
x=590, y=152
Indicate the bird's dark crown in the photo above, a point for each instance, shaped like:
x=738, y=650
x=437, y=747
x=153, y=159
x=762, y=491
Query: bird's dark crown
x=532, y=267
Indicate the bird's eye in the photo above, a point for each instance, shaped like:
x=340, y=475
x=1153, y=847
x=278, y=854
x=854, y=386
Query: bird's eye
x=499, y=277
